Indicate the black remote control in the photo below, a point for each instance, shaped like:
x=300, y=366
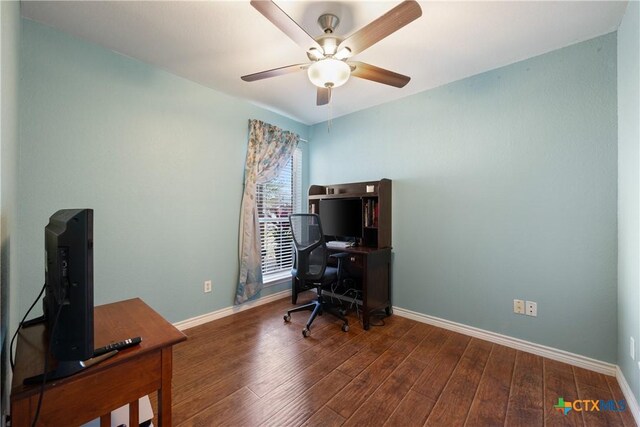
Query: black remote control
x=117, y=346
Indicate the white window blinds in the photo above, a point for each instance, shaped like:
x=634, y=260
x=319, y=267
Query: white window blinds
x=277, y=199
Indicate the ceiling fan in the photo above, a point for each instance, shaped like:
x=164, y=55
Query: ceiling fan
x=330, y=66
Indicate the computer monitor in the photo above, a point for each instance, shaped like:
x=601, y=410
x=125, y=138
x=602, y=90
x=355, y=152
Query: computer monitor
x=341, y=218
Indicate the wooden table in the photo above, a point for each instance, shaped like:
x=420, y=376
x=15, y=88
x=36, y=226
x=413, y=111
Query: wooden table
x=98, y=390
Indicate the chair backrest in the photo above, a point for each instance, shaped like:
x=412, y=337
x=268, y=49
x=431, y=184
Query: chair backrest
x=311, y=249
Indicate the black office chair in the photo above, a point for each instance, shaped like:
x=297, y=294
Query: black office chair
x=311, y=268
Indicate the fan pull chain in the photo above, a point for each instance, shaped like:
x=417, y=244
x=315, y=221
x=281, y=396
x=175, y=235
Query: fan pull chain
x=329, y=113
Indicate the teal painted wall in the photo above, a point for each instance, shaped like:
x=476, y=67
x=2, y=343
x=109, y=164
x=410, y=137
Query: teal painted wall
x=160, y=160
x=9, y=63
x=628, y=190
x=504, y=186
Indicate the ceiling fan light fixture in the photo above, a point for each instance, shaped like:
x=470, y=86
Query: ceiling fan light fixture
x=343, y=53
x=315, y=54
x=329, y=73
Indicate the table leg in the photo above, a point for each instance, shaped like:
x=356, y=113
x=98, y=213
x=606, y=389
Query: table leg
x=164, y=394
x=133, y=414
x=105, y=420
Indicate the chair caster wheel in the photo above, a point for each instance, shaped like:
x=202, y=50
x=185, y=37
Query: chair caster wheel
x=287, y=318
x=305, y=332
x=342, y=312
x=345, y=328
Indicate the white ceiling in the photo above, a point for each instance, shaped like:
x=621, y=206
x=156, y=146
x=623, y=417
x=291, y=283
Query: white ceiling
x=214, y=43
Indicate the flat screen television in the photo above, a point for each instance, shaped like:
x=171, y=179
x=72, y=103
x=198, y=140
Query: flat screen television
x=341, y=218
x=68, y=300
x=69, y=284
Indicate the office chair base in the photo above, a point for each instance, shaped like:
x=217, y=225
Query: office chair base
x=317, y=307
x=306, y=332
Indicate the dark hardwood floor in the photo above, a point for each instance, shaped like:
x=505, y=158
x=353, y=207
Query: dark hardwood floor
x=252, y=369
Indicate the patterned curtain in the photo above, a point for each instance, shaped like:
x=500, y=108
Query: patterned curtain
x=269, y=151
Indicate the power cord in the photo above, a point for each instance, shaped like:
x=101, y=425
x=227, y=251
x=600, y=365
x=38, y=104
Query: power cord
x=46, y=365
x=355, y=294
x=12, y=362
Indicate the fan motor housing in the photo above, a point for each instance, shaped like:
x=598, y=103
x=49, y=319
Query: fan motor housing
x=328, y=22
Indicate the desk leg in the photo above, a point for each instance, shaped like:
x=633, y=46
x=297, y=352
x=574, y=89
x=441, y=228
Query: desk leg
x=164, y=394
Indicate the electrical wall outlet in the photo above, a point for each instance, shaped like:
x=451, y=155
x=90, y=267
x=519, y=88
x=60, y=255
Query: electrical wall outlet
x=518, y=306
x=632, y=348
x=207, y=286
x=532, y=308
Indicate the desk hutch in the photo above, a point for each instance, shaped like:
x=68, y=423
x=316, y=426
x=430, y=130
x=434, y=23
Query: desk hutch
x=368, y=265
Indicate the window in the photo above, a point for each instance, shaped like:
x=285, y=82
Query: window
x=276, y=200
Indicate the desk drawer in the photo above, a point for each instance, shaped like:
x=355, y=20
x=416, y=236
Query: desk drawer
x=356, y=261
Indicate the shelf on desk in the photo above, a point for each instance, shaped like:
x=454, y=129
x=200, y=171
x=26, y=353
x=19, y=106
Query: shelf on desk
x=341, y=196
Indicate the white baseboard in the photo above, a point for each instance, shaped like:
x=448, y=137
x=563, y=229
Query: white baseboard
x=541, y=350
x=632, y=403
x=228, y=311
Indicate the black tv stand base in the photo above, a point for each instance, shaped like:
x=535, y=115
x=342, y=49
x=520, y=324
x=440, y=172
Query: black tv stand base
x=68, y=368
x=34, y=321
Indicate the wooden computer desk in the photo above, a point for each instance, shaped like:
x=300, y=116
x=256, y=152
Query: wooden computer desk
x=371, y=270
x=98, y=390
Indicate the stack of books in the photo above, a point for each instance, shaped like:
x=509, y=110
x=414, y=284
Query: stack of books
x=371, y=213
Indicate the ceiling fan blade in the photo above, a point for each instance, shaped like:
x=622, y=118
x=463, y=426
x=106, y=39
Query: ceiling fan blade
x=274, y=72
x=324, y=96
x=280, y=19
x=377, y=74
x=390, y=22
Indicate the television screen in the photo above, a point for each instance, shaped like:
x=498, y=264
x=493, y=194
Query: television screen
x=68, y=302
x=341, y=217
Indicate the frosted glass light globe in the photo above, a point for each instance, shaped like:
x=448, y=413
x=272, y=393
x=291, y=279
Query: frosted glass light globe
x=329, y=73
